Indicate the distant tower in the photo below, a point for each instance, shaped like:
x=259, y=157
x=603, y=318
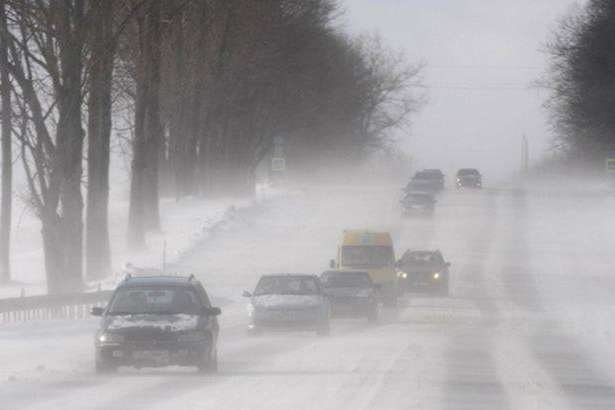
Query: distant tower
x=525, y=155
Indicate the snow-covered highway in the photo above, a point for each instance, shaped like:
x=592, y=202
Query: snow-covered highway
x=529, y=324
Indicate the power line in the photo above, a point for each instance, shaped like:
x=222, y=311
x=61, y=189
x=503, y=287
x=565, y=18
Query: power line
x=483, y=67
x=502, y=87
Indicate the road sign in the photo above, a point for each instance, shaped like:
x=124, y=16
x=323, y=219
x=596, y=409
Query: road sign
x=610, y=163
x=278, y=164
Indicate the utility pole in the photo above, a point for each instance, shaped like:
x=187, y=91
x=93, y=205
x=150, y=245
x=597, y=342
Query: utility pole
x=525, y=155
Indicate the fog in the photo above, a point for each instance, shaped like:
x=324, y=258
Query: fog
x=510, y=305
x=481, y=60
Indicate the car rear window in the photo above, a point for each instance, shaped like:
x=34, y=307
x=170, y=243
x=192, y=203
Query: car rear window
x=286, y=285
x=154, y=300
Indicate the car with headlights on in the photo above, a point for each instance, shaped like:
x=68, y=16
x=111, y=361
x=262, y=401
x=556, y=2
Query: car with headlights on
x=423, y=270
x=157, y=321
x=469, y=178
x=288, y=301
x=351, y=294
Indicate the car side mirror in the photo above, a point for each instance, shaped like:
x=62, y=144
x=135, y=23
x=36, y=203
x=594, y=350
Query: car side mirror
x=332, y=264
x=211, y=311
x=97, y=311
x=246, y=294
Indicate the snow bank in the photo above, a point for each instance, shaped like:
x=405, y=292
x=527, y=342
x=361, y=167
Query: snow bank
x=184, y=224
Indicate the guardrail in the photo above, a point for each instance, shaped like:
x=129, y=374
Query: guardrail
x=72, y=305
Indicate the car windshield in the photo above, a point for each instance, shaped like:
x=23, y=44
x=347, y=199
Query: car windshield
x=418, y=197
x=345, y=280
x=367, y=256
x=428, y=175
x=286, y=285
x=421, y=258
x=468, y=172
x=154, y=300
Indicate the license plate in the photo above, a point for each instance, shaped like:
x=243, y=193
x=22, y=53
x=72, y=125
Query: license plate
x=158, y=356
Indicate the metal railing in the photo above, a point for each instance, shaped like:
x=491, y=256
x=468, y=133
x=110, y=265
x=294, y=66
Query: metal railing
x=72, y=305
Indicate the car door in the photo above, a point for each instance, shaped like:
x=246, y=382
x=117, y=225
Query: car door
x=323, y=297
x=211, y=322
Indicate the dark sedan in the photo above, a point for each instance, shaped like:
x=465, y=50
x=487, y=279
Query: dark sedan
x=351, y=294
x=418, y=201
x=469, y=178
x=157, y=321
x=423, y=271
x=427, y=180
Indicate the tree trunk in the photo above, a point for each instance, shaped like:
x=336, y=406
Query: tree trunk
x=153, y=125
x=144, y=212
x=55, y=256
x=7, y=156
x=70, y=146
x=178, y=121
x=98, y=252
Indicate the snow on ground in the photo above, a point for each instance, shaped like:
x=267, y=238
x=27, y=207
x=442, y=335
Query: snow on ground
x=184, y=223
x=529, y=323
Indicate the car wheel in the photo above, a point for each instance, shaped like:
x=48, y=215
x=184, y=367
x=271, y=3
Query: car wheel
x=324, y=329
x=391, y=303
x=254, y=332
x=372, y=314
x=444, y=289
x=209, y=364
x=105, y=368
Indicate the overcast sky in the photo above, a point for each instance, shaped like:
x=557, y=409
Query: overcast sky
x=481, y=56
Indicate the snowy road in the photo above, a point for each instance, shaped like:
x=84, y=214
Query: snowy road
x=530, y=323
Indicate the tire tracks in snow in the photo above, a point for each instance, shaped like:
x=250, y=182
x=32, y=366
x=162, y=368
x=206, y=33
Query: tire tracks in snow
x=472, y=380
x=579, y=379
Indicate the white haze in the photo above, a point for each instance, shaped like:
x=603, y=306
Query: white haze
x=482, y=57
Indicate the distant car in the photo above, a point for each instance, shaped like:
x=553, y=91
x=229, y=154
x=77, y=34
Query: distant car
x=351, y=294
x=422, y=201
x=288, y=301
x=423, y=271
x=469, y=178
x=157, y=321
x=427, y=181
x=435, y=174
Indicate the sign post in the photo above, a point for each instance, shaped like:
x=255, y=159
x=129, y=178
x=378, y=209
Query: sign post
x=278, y=160
x=610, y=164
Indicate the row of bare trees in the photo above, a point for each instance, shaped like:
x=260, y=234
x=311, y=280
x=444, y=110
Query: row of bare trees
x=581, y=78
x=208, y=85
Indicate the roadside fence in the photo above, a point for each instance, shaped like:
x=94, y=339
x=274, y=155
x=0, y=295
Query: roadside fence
x=64, y=306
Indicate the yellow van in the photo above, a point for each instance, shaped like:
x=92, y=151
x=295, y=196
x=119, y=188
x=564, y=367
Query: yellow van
x=370, y=252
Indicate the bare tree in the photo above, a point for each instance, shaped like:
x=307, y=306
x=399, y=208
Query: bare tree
x=144, y=211
x=582, y=54
x=7, y=155
x=47, y=65
x=98, y=252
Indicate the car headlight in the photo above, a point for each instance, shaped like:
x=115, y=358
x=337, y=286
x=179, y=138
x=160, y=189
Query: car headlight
x=403, y=275
x=191, y=337
x=110, y=338
x=436, y=275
